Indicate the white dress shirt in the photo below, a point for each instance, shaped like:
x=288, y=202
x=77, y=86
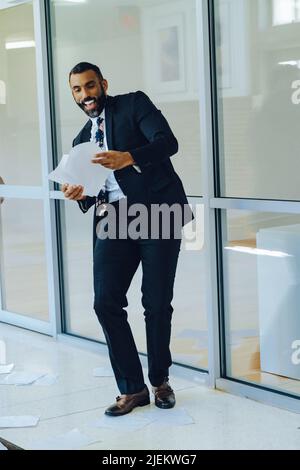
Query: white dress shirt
x=114, y=191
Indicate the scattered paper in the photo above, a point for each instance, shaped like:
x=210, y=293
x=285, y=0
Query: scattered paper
x=130, y=422
x=22, y=378
x=69, y=441
x=6, y=369
x=77, y=168
x=172, y=417
x=49, y=379
x=2, y=447
x=103, y=372
x=18, y=421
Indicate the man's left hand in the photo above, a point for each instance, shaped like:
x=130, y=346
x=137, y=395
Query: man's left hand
x=113, y=159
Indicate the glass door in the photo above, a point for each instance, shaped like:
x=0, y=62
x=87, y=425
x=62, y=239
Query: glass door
x=164, y=35
x=25, y=245
x=257, y=74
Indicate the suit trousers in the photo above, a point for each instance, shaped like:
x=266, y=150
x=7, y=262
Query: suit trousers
x=115, y=262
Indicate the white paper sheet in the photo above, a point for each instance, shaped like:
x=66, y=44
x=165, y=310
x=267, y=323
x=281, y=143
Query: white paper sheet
x=103, y=372
x=22, y=378
x=2, y=447
x=69, y=441
x=46, y=380
x=18, y=421
x=6, y=369
x=77, y=168
x=59, y=175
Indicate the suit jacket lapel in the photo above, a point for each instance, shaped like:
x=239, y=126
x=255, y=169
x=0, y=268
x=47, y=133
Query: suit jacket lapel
x=109, y=122
x=86, y=132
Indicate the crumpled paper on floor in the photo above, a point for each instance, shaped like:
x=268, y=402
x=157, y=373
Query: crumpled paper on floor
x=18, y=421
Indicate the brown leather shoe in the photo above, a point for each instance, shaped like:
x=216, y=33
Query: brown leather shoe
x=164, y=396
x=126, y=403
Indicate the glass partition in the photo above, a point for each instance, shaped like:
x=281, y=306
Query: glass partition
x=20, y=162
x=23, y=267
x=261, y=259
x=148, y=45
x=258, y=75
x=22, y=258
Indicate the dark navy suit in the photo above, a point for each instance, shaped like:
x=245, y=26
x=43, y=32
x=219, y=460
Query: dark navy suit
x=134, y=124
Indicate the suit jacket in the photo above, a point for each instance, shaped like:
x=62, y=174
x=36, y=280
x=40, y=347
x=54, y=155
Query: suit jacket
x=134, y=124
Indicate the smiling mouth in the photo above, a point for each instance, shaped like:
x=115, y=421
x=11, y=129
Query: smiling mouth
x=90, y=104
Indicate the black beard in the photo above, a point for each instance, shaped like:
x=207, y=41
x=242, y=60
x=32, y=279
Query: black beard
x=100, y=102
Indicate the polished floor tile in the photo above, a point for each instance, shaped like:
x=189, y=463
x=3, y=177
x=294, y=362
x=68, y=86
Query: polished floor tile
x=77, y=401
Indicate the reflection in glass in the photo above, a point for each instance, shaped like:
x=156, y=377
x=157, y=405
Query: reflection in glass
x=169, y=54
x=285, y=11
x=19, y=124
x=138, y=49
x=22, y=258
x=258, y=70
x=2, y=92
x=261, y=258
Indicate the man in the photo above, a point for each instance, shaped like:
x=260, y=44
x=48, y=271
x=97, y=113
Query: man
x=136, y=143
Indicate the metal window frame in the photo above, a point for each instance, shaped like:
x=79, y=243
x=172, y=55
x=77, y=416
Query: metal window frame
x=215, y=207
x=208, y=185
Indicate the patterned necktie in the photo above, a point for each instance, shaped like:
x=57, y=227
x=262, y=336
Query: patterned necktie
x=100, y=132
x=102, y=196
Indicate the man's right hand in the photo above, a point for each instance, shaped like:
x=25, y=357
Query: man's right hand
x=73, y=193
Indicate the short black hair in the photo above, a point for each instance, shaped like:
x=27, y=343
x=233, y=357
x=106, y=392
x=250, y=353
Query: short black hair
x=83, y=67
